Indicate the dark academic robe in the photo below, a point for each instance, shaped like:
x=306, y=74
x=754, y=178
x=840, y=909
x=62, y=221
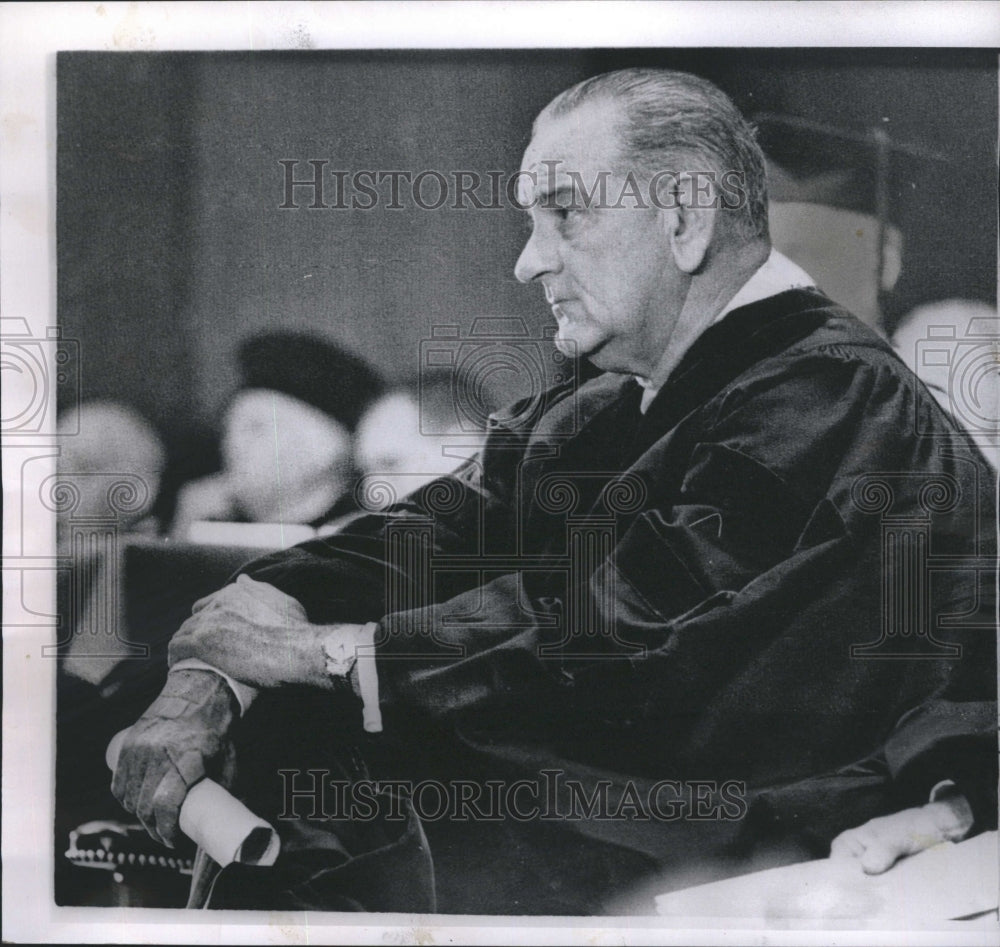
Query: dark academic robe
x=708, y=633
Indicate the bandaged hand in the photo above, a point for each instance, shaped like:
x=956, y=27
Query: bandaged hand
x=254, y=633
x=181, y=738
x=881, y=842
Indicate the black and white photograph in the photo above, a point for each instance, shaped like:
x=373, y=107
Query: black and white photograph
x=512, y=485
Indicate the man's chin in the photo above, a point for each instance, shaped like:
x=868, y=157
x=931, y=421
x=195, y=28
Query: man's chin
x=565, y=343
x=578, y=345
x=566, y=346
x=596, y=355
x=608, y=360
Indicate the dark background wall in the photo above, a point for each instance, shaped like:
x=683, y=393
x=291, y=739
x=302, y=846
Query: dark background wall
x=172, y=246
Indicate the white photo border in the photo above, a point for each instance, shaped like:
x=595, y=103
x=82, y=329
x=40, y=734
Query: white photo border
x=30, y=36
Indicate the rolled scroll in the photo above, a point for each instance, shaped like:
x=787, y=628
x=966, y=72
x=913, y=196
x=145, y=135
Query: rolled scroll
x=218, y=822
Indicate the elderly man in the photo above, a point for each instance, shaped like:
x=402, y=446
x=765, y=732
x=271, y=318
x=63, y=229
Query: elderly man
x=653, y=604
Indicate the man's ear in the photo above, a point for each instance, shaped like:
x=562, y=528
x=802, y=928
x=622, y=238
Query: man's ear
x=690, y=219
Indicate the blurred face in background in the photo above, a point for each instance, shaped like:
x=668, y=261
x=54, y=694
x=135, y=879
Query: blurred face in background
x=279, y=452
x=839, y=249
x=391, y=448
x=104, y=444
x=953, y=347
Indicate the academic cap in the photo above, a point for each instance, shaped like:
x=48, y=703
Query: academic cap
x=861, y=170
x=312, y=369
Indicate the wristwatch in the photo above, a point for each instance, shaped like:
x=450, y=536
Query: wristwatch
x=340, y=649
x=350, y=655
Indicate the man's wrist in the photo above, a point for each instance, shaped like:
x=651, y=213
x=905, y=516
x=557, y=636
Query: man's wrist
x=199, y=686
x=242, y=693
x=349, y=655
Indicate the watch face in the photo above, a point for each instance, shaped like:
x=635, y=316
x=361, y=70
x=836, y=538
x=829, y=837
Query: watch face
x=340, y=650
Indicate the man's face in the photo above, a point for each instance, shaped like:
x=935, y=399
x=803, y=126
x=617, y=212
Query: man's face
x=607, y=270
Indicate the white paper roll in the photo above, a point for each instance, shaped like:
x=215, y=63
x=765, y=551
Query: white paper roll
x=214, y=819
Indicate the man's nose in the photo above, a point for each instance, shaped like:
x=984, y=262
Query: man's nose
x=537, y=258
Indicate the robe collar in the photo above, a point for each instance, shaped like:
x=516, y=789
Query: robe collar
x=775, y=275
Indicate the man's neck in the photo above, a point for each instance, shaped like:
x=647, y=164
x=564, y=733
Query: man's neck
x=706, y=298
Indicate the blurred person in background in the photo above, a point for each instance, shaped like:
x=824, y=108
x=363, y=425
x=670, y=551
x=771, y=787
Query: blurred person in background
x=99, y=439
x=287, y=436
x=830, y=207
x=110, y=469
x=953, y=347
x=412, y=434
x=111, y=460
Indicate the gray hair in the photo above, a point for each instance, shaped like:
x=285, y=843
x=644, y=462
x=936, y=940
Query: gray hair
x=671, y=117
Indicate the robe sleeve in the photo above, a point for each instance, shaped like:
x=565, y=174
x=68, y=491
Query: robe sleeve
x=345, y=577
x=939, y=741
x=947, y=740
x=752, y=547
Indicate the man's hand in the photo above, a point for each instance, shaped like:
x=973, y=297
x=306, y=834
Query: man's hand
x=181, y=738
x=880, y=843
x=255, y=634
